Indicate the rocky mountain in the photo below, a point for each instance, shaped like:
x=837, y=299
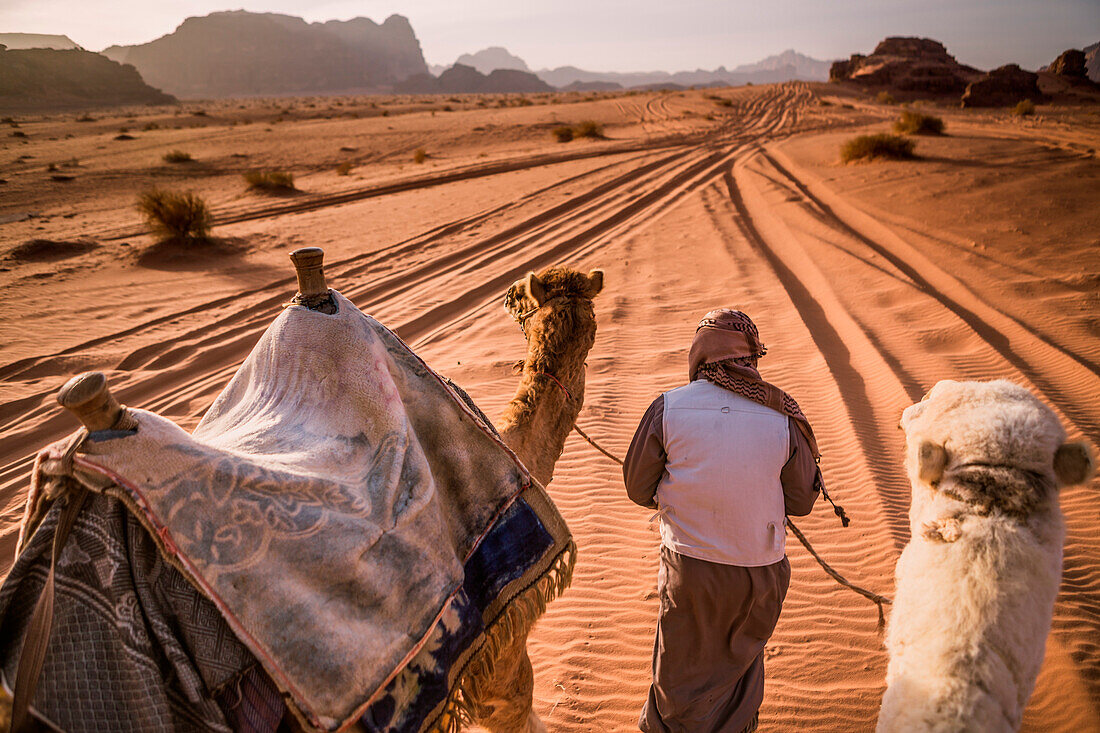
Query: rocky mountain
x=47, y=79
x=462, y=79
x=913, y=66
x=782, y=67
x=238, y=53
x=18, y=41
x=489, y=59
x=805, y=68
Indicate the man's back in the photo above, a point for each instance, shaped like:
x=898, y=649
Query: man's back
x=721, y=499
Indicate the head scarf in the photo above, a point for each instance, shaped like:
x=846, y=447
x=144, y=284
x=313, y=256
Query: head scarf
x=725, y=350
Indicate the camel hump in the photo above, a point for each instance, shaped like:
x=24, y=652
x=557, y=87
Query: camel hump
x=88, y=397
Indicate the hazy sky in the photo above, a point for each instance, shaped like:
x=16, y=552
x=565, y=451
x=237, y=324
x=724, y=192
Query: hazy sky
x=626, y=35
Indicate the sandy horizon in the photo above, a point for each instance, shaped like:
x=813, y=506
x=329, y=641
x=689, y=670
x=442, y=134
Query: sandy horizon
x=869, y=283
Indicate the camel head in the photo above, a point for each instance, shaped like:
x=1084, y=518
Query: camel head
x=555, y=302
x=991, y=445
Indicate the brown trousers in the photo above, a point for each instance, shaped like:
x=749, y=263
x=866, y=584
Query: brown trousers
x=708, y=657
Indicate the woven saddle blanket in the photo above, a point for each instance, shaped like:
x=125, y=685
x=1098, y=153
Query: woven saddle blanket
x=357, y=525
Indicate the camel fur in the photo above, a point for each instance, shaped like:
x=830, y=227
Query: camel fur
x=977, y=582
x=554, y=309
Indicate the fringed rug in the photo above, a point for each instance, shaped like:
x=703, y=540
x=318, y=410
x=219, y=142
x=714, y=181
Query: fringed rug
x=360, y=528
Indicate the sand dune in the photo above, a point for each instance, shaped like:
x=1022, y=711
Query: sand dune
x=869, y=284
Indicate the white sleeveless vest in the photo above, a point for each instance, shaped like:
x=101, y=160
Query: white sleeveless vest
x=721, y=499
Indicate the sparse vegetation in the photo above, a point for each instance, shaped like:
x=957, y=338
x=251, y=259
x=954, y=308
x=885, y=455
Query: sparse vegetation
x=183, y=217
x=915, y=123
x=19, y=133
x=871, y=147
x=124, y=136
x=824, y=103
x=885, y=98
x=723, y=102
x=85, y=118
x=563, y=134
x=588, y=128
x=344, y=168
x=420, y=155
x=177, y=156
x=150, y=126
x=199, y=113
x=1025, y=108
x=271, y=181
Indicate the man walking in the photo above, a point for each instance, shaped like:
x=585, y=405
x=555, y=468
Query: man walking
x=724, y=459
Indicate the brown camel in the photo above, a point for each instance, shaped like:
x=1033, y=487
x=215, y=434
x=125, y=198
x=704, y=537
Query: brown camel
x=554, y=309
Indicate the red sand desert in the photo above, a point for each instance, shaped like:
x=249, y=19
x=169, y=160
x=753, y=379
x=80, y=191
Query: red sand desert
x=869, y=283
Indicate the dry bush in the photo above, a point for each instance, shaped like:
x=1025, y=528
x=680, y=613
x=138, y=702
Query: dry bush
x=723, y=102
x=177, y=216
x=885, y=98
x=344, y=168
x=870, y=147
x=150, y=126
x=420, y=155
x=588, y=128
x=915, y=123
x=1026, y=108
x=270, y=180
x=563, y=134
x=177, y=156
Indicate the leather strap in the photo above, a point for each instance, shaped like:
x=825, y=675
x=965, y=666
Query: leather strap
x=37, y=639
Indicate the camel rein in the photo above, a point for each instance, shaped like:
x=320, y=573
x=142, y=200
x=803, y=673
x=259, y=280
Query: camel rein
x=869, y=595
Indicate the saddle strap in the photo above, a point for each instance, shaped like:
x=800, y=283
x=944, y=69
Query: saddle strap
x=33, y=655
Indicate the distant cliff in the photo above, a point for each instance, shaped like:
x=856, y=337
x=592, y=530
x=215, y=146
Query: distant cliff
x=918, y=66
x=47, y=79
x=462, y=79
x=488, y=60
x=18, y=41
x=238, y=53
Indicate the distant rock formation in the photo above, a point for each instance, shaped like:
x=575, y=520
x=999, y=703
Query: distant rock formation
x=805, y=68
x=462, y=79
x=1069, y=63
x=1092, y=61
x=1003, y=87
x=19, y=41
x=490, y=59
x=918, y=66
x=238, y=53
x=48, y=79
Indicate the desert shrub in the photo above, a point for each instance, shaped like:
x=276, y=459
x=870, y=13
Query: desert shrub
x=588, y=128
x=199, y=113
x=150, y=126
x=344, y=168
x=177, y=156
x=270, y=180
x=915, y=123
x=85, y=118
x=19, y=133
x=885, y=98
x=870, y=147
x=180, y=216
x=420, y=155
x=723, y=102
x=1026, y=108
x=563, y=134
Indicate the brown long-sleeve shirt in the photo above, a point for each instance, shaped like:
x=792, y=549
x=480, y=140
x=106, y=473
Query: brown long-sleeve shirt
x=645, y=464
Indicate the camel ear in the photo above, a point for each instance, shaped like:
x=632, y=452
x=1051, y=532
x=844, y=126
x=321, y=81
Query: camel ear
x=535, y=288
x=1073, y=464
x=595, y=282
x=931, y=462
